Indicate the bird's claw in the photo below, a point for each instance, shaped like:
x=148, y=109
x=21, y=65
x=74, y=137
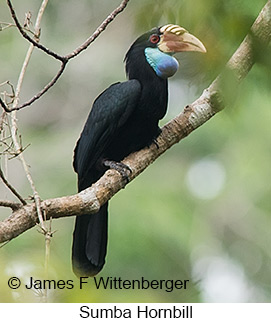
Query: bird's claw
x=124, y=170
x=155, y=141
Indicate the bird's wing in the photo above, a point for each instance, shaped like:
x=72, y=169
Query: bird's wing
x=109, y=112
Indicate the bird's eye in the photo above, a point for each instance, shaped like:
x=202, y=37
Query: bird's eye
x=154, y=39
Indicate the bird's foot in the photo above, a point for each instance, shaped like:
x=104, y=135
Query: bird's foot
x=156, y=143
x=154, y=139
x=124, y=170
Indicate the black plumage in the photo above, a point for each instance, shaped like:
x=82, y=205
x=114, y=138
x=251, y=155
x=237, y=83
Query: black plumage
x=123, y=119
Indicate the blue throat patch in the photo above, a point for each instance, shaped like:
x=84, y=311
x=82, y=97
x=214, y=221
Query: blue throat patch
x=163, y=64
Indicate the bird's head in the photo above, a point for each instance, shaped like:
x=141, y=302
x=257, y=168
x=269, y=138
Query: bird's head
x=159, y=44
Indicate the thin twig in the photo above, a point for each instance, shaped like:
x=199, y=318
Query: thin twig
x=31, y=40
x=4, y=106
x=12, y=96
x=11, y=188
x=43, y=91
x=99, y=30
x=9, y=25
x=13, y=205
x=6, y=25
x=14, y=128
x=48, y=237
x=193, y=116
x=2, y=121
x=63, y=59
x=17, y=144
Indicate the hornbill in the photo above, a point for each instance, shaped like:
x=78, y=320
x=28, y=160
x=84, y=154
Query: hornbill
x=123, y=119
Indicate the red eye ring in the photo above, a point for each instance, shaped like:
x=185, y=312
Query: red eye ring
x=154, y=39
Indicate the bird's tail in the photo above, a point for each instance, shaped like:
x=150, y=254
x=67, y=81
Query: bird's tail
x=90, y=243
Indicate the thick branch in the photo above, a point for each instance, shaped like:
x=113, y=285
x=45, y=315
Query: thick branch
x=244, y=57
x=193, y=116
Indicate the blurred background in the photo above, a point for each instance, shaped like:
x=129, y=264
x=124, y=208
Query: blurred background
x=201, y=211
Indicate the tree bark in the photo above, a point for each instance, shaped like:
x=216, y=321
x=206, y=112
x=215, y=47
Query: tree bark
x=193, y=116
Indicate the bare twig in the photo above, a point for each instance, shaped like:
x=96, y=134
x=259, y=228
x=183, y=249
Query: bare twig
x=48, y=231
x=63, y=59
x=6, y=25
x=11, y=96
x=18, y=146
x=31, y=40
x=10, y=25
x=4, y=106
x=2, y=121
x=99, y=30
x=14, y=128
x=48, y=237
x=43, y=91
x=11, y=188
x=13, y=205
x=196, y=114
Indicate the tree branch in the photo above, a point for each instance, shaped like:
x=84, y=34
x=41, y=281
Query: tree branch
x=14, y=128
x=99, y=30
x=11, y=188
x=63, y=59
x=13, y=205
x=31, y=40
x=43, y=91
x=193, y=116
